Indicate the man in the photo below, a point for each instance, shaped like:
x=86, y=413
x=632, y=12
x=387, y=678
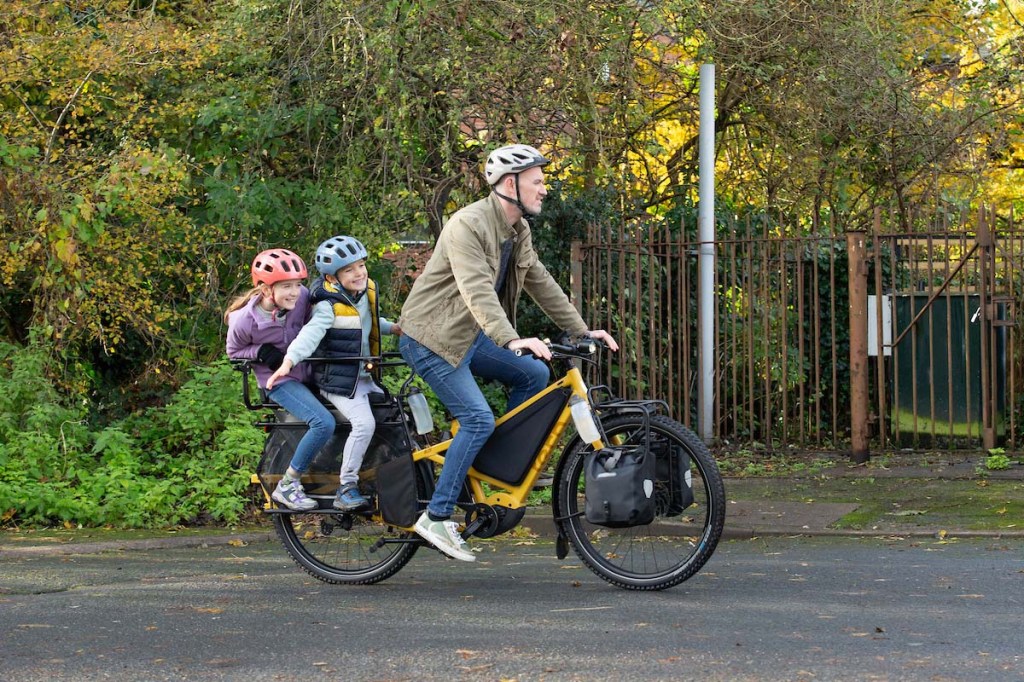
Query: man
x=459, y=321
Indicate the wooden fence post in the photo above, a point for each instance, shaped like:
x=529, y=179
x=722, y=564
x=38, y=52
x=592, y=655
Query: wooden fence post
x=855, y=249
x=576, y=275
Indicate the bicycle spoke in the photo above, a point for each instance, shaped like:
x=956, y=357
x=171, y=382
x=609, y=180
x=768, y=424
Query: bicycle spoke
x=684, y=532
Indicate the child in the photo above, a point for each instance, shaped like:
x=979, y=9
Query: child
x=261, y=324
x=345, y=323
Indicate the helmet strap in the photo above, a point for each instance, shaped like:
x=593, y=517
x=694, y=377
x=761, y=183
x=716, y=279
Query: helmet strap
x=353, y=296
x=274, y=310
x=517, y=202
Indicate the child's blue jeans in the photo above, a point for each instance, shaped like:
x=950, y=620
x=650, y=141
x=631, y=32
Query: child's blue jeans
x=296, y=397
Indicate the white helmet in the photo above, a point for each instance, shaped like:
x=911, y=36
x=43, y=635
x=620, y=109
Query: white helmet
x=514, y=158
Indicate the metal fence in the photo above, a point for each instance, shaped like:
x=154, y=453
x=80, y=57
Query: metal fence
x=944, y=364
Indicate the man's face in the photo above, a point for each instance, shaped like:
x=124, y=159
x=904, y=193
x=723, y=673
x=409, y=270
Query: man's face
x=531, y=189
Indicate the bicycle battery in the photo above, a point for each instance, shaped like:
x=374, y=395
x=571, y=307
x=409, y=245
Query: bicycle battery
x=619, y=487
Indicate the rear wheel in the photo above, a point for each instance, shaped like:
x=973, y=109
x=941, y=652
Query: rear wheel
x=685, y=531
x=352, y=549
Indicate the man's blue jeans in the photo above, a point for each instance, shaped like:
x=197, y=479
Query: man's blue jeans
x=458, y=390
x=296, y=397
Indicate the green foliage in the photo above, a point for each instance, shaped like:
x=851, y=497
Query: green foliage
x=997, y=460
x=186, y=462
x=100, y=257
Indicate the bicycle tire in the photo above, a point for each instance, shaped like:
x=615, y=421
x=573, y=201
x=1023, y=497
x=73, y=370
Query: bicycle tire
x=666, y=552
x=342, y=556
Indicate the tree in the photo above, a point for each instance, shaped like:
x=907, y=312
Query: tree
x=849, y=105
x=99, y=253
x=404, y=99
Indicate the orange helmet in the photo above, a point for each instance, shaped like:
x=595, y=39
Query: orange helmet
x=277, y=265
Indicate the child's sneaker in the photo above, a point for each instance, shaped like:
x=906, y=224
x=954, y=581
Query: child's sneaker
x=444, y=535
x=350, y=499
x=293, y=496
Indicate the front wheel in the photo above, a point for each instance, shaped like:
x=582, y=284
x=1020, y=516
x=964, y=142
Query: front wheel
x=687, y=524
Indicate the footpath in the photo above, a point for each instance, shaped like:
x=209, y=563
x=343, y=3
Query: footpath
x=944, y=498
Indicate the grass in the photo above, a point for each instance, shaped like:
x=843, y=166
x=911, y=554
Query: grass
x=894, y=503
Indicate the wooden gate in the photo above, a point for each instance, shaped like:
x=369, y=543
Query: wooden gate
x=944, y=367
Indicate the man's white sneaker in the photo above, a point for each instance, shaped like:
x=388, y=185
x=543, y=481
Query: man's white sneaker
x=444, y=535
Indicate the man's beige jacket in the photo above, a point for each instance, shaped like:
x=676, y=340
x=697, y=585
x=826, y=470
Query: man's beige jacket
x=454, y=297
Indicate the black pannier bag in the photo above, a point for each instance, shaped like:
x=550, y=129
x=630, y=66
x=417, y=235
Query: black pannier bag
x=390, y=442
x=620, y=487
x=674, y=489
x=396, y=491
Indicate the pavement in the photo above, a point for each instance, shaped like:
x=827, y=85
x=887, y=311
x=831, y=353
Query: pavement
x=745, y=518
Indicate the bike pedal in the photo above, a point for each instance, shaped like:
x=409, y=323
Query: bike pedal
x=472, y=528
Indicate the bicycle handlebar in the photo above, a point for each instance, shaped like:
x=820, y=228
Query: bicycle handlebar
x=583, y=348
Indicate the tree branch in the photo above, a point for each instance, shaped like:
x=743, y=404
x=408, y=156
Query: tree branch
x=1012, y=15
x=28, y=108
x=60, y=119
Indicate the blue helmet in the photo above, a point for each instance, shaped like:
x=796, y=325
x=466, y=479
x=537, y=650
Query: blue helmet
x=337, y=252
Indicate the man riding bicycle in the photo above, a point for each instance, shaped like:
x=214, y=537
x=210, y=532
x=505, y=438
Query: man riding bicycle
x=459, y=321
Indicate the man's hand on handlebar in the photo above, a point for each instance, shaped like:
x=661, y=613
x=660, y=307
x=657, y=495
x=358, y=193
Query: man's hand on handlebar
x=531, y=345
x=605, y=337
x=541, y=348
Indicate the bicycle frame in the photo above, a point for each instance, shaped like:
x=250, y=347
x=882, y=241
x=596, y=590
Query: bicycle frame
x=511, y=494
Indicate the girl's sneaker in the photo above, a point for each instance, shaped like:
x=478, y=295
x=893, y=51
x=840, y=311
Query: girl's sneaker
x=293, y=496
x=350, y=499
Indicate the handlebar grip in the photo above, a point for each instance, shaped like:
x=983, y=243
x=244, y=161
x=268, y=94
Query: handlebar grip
x=578, y=349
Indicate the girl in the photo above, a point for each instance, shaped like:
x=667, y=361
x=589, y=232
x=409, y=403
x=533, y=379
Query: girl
x=345, y=323
x=261, y=324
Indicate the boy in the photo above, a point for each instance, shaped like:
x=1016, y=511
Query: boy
x=345, y=323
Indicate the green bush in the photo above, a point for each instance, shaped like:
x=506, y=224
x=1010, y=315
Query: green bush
x=186, y=462
x=997, y=460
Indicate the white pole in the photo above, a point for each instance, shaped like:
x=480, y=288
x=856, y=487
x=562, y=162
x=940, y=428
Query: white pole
x=706, y=260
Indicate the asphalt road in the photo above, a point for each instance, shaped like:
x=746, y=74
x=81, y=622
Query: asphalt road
x=762, y=609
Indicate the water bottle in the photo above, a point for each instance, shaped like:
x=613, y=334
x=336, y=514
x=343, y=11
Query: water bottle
x=584, y=419
x=421, y=416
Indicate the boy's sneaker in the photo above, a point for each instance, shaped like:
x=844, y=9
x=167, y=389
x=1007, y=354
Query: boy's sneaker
x=350, y=499
x=293, y=496
x=444, y=535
